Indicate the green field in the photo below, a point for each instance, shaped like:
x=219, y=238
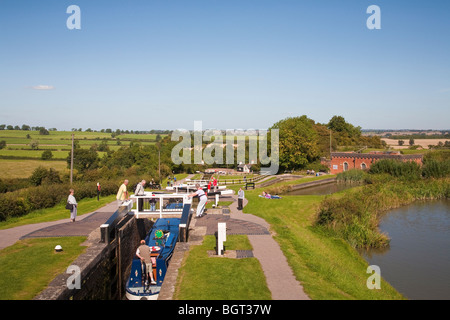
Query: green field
x=18, y=159
x=62, y=140
x=10, y=169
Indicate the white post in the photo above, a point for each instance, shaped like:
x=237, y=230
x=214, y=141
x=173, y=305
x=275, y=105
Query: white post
x=221, y=237
x=217, y=200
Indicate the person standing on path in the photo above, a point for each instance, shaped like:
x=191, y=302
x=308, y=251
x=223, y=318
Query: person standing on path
x=71, y=199
x=215, y=184
x=202, y=200
x=122, y=194
x=140, y=192
x=241, y=196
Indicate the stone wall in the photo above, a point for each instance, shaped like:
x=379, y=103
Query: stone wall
x=102, y=267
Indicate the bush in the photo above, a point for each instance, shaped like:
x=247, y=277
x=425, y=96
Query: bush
x=396, y=168
x=47, y=155
x=436, y=169
x=21, y=202
x=353, y=176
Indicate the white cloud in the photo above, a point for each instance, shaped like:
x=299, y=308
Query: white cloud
x=43, y=87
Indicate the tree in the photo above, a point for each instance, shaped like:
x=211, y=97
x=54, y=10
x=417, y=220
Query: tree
x=83, y=159
x=43, y=131
x=38, y=175
x=401, y=142
x=34, y=145
x=47, y=155
x=41, y=175
x=298, y=142
x=2, y=144
x=411, y=142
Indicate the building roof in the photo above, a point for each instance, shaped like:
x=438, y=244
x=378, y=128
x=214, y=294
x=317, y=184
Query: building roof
x=375, y=156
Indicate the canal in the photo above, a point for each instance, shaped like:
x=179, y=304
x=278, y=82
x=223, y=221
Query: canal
x=319, y=190
x=417, y=262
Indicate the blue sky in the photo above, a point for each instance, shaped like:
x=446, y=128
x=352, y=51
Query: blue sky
x=162, y=64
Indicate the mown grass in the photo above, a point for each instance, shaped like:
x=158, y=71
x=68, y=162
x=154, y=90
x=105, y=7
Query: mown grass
x=326, y=265
x=28, y=266
x=217, y=278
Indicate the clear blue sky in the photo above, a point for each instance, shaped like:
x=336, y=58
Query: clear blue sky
x=161, y=64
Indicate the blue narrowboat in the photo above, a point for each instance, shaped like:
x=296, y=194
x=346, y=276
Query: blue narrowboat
x=162, y=239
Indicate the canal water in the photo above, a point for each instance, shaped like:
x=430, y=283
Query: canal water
x=320, y=190
x=417, y=262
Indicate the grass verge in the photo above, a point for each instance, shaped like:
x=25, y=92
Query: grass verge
x=28, y=266
x=215, y=278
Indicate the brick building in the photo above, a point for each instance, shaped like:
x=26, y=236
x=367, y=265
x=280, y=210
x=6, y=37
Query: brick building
x=343, y=161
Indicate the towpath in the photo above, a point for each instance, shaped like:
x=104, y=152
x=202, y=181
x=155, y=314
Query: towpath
x=279, y=276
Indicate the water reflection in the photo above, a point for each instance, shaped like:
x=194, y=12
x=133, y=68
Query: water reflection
x=417, y=263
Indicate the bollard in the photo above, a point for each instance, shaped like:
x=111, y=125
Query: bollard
x=221, y=237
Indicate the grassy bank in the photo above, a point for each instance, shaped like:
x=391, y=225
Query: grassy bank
x=326, y=265
x=28, y=266
x=356, y=215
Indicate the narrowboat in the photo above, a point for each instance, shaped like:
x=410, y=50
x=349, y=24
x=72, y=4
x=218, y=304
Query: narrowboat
x=162, y=240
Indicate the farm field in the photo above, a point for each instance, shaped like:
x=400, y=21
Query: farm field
x=18, y=159
x=10, y=169
x=424, y=143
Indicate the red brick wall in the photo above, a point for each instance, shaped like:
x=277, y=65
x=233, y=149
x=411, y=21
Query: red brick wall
x=358, y=160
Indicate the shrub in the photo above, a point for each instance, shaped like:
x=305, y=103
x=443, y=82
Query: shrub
x=21, y=202
x=396, y=168
x=436, y=169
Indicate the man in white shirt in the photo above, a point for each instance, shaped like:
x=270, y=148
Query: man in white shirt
x=241, y=197
x=140, y=192
x=202, y=200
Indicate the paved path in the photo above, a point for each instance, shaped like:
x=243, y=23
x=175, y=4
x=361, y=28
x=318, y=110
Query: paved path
x=83, y=225
x=279, y=276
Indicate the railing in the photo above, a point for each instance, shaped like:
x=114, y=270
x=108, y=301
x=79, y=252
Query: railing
x=165, y=204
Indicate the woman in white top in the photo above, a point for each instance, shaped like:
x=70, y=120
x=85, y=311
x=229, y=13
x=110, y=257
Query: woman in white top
x=202, y=200
x=73, y=201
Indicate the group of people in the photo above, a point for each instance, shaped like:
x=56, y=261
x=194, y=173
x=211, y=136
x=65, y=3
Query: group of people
x=269, y=196
x=123, y=195
x=213, y=183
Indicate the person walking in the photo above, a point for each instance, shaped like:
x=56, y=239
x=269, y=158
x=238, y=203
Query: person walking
x=241, y=196
x=71, y=200
x=143, y=252
x=140, y=192
x=202, y=200
x=122, y=194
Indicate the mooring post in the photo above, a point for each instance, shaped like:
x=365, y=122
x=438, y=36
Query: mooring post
x=221, y=237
